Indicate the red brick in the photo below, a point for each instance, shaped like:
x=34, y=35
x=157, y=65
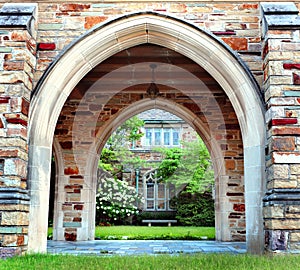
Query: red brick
x=224, y=33
x=284, y=121
x=46, y=46
x=296, y=79
x=93, y=20
x=17, y=120
x=291, y=66
x=236, y=43
x=4, y=100
x=25, y=107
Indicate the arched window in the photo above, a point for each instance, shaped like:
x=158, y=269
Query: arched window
x=157, y=193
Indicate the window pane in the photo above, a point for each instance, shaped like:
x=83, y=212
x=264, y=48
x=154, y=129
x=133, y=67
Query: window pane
x=150, y=205
x=148, y=137
x=161, y=191
x=175, y=137
x=150, y=191
x=161, y=205
x=157, y=137
x=167, y=137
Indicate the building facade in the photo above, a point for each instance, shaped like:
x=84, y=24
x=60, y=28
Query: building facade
x=72, y=71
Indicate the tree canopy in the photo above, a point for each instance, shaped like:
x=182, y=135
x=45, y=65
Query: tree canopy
x=116, y=153
x=189, y=166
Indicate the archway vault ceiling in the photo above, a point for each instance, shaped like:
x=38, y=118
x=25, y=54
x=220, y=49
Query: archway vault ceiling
x=123, y=79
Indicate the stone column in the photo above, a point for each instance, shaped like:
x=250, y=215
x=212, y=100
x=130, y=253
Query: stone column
x=17, y=63
x=282, y=84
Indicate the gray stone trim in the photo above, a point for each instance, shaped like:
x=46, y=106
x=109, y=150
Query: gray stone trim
x=20, y=16
x=14, y=196
x=280, y=15
x=282, y=196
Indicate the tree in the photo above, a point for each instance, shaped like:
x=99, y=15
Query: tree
x=190, y=169
x=189, y=166
x=116, y=154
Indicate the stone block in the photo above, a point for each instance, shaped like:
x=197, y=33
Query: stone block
x=276, y=211
x=93, y=20
x=295, y=169
x=14, y=218
x=283, y=144
x=295, y=236
x=282, y=224
x=236, y=43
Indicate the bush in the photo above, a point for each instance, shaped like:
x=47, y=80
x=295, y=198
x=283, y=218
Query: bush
x=195, y=209
x=116, y=201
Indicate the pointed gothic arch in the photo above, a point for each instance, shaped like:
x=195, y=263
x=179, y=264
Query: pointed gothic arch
x=116, y=35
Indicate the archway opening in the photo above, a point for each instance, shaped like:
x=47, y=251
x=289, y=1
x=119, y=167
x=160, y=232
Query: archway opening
x=119, y=88
x=146, y=28
x=155, y=170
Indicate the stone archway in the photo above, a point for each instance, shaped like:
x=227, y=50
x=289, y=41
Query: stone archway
x=112, y=37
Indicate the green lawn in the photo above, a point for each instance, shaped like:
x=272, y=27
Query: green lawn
x=154, y=232
x=163, y=262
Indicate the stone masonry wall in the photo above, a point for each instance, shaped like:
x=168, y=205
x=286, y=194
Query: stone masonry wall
x=281, y=85
x=17, y=66
x=31, y=38
x=236, y=23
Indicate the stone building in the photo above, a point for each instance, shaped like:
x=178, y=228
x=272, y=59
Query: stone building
x=71, y=71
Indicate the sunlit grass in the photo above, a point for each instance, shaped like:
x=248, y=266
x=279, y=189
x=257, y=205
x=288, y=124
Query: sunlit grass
x=155, y=232
x=163, y=262
x=152, y=233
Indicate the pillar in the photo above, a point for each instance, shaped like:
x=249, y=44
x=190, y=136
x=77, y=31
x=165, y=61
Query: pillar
x=17, y=58
x=281, y=85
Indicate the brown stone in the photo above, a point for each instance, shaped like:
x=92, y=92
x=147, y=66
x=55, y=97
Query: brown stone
x=70, y=236
x=236, y=43
x=13, y=65
x=71, y=170
x=239, y=207
x=283, y=144
x=78, y=207
x=66, y=145
x=230, y=164
x=74, y=7
x=93, y=20
x=285, y=130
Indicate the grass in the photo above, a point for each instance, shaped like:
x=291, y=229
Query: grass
x=152, y=233
x=155, y=232
x=163, y=262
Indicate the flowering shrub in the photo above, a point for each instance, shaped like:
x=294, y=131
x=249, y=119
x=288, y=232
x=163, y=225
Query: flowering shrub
x=116, y=201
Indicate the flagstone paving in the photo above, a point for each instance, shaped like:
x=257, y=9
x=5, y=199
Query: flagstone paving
x=140, y=247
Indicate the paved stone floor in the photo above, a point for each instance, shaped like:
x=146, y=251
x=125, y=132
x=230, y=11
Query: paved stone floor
x=139, y=247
